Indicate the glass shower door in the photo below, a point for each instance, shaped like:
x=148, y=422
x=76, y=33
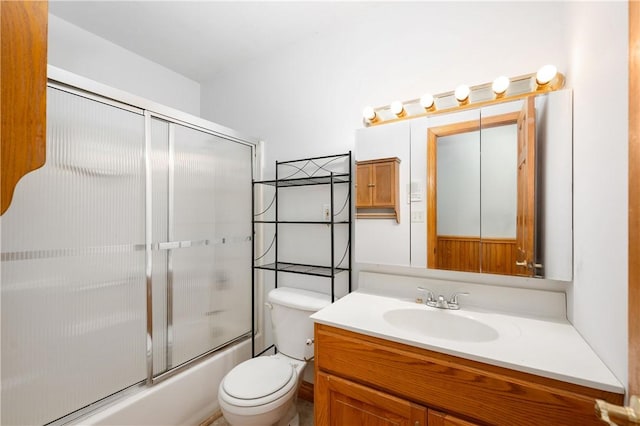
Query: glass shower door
x=75, y=271
x=204, y=233
x=73, y=275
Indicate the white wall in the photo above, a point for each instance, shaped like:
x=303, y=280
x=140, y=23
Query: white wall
x=370, y=234
x=81, y=52
x=598, y=53
x=307, y=100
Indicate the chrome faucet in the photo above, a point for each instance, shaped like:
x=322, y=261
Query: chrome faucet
x=440, y=302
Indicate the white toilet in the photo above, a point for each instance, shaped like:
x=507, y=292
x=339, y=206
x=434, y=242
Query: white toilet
x=262, y=391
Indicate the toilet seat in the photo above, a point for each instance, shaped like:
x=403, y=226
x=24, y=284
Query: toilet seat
x=258, y=381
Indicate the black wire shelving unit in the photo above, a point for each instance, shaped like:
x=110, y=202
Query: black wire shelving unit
x=313, y=171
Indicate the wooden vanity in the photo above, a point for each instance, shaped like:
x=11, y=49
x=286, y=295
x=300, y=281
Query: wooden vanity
x=365, y=380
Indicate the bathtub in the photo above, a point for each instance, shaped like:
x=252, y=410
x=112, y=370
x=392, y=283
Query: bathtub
x=187, y=398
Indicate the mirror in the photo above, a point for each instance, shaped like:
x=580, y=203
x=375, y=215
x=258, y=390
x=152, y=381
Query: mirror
x=471, y=202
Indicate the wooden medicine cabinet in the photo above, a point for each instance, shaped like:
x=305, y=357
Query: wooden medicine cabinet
x=377, y=192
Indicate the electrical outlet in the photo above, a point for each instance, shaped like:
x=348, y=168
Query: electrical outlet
x=417, y=216
x=326, y=212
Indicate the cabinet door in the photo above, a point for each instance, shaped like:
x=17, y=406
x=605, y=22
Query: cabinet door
x=384, y=184
x=363, y=185
x=339, y=402
x=441, y=419
x=23, y=31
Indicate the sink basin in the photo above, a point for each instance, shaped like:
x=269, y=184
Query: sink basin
x=441, y=324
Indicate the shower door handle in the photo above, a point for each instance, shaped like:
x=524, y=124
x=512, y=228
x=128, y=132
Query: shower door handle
x=170, y=245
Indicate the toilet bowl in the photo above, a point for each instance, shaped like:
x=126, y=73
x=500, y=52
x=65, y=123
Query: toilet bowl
x=262, y=391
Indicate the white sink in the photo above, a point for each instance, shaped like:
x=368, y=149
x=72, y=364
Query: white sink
x=441, y=324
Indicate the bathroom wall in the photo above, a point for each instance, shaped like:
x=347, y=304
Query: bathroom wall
x=307, y=100
x=81, y=52
x=598, y=52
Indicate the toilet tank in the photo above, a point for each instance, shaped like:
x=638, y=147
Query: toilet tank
x=290, y=322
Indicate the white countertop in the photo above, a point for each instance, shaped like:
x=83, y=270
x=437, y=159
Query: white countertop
x=548, y=348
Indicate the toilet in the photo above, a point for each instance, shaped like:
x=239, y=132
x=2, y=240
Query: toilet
x=262, y=391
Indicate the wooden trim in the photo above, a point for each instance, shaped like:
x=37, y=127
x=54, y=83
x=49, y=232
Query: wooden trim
x=306, y=391
x=474, y=105
x=432, y=198
x=365, y=215
x=212, y=418
x=500, y=120
x=379, y=160
x=23, y=129
x=473, y=125
x=634, y=198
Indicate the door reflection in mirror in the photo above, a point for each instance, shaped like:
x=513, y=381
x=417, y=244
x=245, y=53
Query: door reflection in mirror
x=468, y=159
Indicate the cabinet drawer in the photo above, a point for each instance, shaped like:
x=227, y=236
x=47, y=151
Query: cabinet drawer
x=470, y=389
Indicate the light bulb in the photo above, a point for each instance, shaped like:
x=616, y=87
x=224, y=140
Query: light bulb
x=546, y=74
x=462, y=93
x=427, y=101
x=368, y=113
x=500, y=85
x=397, y=108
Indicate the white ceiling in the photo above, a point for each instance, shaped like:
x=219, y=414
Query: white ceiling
x=199, y=38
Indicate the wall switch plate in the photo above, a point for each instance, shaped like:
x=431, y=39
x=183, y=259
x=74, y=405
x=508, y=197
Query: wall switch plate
x=417, y=216
x=326, y=212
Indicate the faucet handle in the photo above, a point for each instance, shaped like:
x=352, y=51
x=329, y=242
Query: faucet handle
x=430, y=297
x=453, y=301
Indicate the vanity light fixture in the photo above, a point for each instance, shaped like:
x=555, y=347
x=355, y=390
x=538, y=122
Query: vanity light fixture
x=369, y=114
x=502, y=89
x=428, y=102
x=462, y=94
x=500, y=85
x=398, y=109
x=546, y=74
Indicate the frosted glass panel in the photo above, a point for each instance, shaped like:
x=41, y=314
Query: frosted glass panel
x=211, y=209
x=73, y=265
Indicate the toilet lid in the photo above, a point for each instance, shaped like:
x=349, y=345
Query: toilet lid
x=257, y=378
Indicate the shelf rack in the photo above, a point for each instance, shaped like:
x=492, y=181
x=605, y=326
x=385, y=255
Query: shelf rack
x=313, y=171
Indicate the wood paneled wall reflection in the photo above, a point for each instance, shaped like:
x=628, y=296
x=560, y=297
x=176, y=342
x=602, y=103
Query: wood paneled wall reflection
x=472, y=254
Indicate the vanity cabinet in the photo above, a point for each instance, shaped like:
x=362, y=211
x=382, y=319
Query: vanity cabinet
x=356, y=375
x=24, y=87
x=377, y=192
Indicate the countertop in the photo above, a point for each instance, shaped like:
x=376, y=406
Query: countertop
x=548, y=348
